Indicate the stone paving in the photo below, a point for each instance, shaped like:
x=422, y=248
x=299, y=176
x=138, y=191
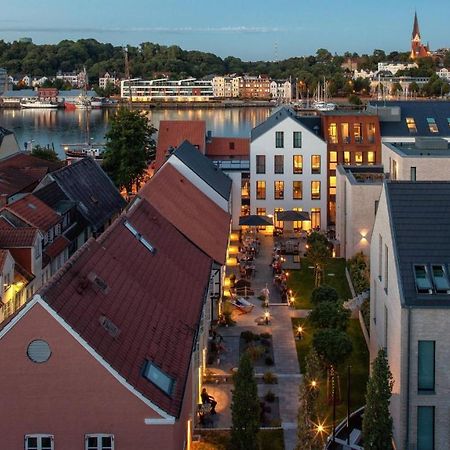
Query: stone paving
x=285, y=355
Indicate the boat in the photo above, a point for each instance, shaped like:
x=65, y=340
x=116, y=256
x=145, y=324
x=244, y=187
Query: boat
x=38, y=103
x=321, y=102
x=96, y=102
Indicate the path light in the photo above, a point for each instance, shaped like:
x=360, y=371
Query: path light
x=267, y=317
x=313, y=383
x=299, y=332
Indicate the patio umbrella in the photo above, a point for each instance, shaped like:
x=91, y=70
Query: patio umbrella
x=293, y=216
x=255, y=221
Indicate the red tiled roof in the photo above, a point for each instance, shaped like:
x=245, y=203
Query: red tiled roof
x=152, y=301
x=17, y=237
x=228, y=146
x=4, y=223
x=172, y=133
x=35, y=212
x=191, y=211
x=57, y=246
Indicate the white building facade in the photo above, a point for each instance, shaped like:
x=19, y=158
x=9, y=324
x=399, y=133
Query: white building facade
x=288, y=170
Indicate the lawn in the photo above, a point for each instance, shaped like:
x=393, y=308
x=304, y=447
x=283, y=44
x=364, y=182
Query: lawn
x=219, y=440
x=302, y=281
x=358, y=360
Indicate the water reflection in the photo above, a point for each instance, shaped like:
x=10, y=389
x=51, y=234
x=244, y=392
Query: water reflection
x=62, y=127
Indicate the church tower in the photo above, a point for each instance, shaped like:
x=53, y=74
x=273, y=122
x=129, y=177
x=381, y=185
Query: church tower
x=418, y=50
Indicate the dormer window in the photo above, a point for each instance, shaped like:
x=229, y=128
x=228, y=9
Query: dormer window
x=411, y=124
x=432, y=125
x=440, y=279
x=423, y=282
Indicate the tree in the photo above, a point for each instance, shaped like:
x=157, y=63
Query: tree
x=377, y=420
x=129, y=148
x=319, y=251
x=245, y=409
x=334, y=346
x=324, y=293
x=48, y=154
x=330, y=315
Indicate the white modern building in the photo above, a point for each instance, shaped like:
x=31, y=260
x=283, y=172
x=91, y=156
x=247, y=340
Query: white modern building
x=107, y=79
x=394, y=67
x=288, y=169
x=410, y=308
x=163, y=89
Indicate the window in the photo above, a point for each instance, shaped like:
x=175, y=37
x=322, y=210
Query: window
x=279, y=190
x=425, y=428
x=260, y=164
x=245, y=188
x=315, y=217
x=279, y=139
x=279, y=163
x=371, y=158
x=315, y=190
x=277, y=223
x=231, y=145
x=333, y=160
x=139, y=237
x=345, y=133
x=394, y=170
x=332, y=133
x=413, y=172
x=432, y=125
x=386, y=267
x=315, y=164
x=426, y=365
x=261, y=211
x=358, y=158
x=332, y=185
x=158, y=377
x=386, y=328
x=39, y=442
x=440, y=279
x=411, y=124
x=371, y=133
x=297, y=190
x=346, y=157
x=423, y=282
x=297, y=138
x=260, y=190
x=99, y=442
x=298, y=224
x=297, y=164
x=357, y=133
x=448, y=121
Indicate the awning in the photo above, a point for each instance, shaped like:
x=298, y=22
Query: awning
x=255, y=221
x=293, y=216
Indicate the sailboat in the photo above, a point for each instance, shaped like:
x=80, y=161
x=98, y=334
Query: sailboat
x=321, y=99
x=82, y=101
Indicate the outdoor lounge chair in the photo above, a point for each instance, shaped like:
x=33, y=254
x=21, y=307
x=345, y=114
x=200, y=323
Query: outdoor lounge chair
x=241, y=304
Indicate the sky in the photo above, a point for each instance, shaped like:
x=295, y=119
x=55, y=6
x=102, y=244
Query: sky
x=248, y=29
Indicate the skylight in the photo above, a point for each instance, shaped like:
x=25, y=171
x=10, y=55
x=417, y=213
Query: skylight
x=432, y=125
x=411, y=124
x=440, y=279
x=139, y=237
x=158, y=378
x=423, y=283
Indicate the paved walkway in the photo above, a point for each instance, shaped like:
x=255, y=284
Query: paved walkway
x=285, y=355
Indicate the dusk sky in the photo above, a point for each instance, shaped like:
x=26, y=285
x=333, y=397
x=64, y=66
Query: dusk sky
x=250, y=29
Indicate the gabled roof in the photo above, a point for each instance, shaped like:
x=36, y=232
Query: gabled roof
x=275, y=118
x=34, y=212
x=204, y=168
x=17, y=237
x=420, y=223
x=85, y=183
x=172, y=133
x=51, y=194
x=228, y=147
x=190, y=211
x=57, y=246
x=313, y=124
x=133, y=305
x=420, y=111
x=4, y=132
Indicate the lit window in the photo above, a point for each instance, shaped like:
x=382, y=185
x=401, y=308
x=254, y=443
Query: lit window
x=99, y=442
x=346, y=157
x=370, y=158
x=297, y=163
x=357, y=133
x=279, y=139
x=315, y=217
x=245, y=188
x=278, y=223
x=39, y=442
x=279, y=163
x=333, y=160
x=158, y=378
x=358, y=158
x=260, y=164
x=298, y=224
x=260, y=190
x=297, y=190
x=279, y=190
x=411, y=124
x=315, y=190
x=261, y=211
x=332, y=133
x=371, y=133
x=332, y=181
x=432, y=125
x=315, y=164
x=297, y=138
x=345, y=133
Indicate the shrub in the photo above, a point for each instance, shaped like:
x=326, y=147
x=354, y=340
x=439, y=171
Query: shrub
x=269, y=361
x=324, y=293
x=265, y=335
x=255, y=351
x=265, y=342
x=358, y=268
x=248, y=336
x=269, y=397
x=270, y=378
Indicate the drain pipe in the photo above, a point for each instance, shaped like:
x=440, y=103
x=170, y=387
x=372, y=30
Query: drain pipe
x=408, y=363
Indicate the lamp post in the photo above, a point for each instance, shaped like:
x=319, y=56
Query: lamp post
x=348, y=404
x=267, y=317
x=333, y=391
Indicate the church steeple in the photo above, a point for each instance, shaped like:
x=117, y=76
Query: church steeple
x=415, y=31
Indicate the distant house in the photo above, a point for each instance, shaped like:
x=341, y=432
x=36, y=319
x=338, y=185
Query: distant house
x=115, y=343
x=8, y=143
